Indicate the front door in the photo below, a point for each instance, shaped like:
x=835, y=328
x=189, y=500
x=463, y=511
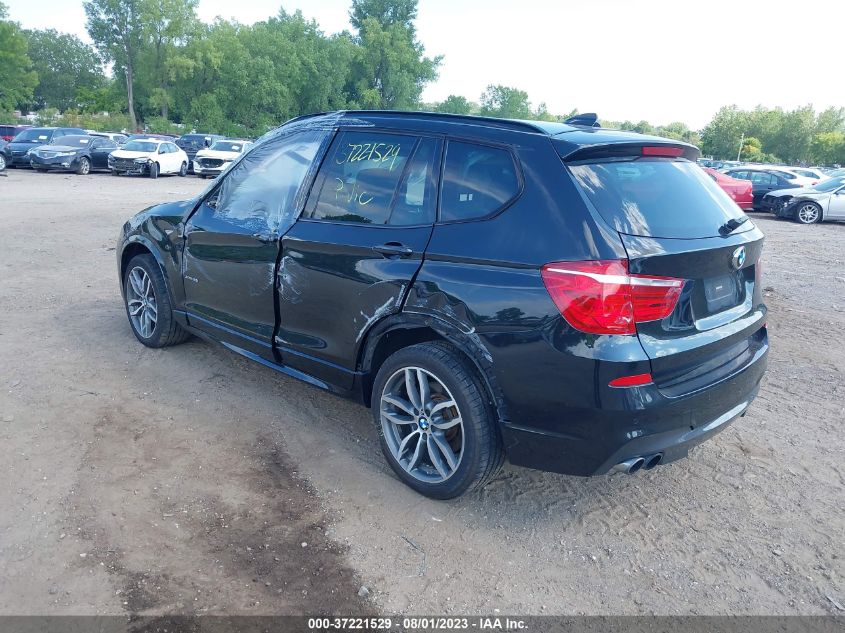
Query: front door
x=836, y=206
x=232, y=242
x=350, y=259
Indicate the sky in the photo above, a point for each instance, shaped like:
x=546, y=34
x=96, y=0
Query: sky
x=658, y=60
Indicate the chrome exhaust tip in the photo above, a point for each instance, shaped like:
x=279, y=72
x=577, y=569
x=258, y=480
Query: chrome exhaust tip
x=629, y=466
x=652, y=461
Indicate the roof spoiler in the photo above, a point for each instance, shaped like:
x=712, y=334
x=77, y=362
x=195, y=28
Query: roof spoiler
x=588, y=119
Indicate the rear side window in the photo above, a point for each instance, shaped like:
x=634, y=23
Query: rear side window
x=368, y=175
x=656, y=197
x=477, y=181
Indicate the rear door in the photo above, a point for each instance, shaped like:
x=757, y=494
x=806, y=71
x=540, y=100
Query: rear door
x=676, y=222
x=232, y=242
x=100, y=150
x=350, y=259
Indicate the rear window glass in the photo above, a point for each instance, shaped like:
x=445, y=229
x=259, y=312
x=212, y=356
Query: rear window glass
x=656, y=197
x=477, y=180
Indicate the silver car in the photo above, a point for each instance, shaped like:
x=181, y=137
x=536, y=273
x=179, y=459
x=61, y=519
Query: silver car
x=808, y=205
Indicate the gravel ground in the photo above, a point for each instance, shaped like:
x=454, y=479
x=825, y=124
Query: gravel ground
x=190, y=480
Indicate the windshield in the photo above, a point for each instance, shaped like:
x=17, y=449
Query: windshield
x=657, y=197
x=33, y=135
x=141, y=146
x=77, y=141
x=228, y=146
x=831, y=184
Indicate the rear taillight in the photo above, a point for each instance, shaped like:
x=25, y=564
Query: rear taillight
x=600, y=297
x=666, y=151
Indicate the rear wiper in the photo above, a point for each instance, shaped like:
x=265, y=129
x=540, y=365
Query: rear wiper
x=732, y=225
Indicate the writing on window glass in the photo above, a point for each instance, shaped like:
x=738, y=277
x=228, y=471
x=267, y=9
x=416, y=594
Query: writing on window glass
x=380, y=153
x=351, y=194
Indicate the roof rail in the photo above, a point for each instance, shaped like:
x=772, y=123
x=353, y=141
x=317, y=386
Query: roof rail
x=588, y=119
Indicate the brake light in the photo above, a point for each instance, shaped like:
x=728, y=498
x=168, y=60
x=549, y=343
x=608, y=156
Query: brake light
x=662, y=150
x=600, y=297
x=631, y=381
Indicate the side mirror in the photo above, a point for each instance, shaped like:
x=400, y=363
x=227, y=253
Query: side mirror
x=161, y=150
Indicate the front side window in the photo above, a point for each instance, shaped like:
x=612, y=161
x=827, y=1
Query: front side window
x=258, y=194
x=477, y=181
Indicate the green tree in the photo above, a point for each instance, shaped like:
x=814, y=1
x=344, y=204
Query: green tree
x=385, y=12
x=828, y=148
x=117, y=30
x=390, y=69
x=721, y=137
x=454, y=104
x=67, y=68
x=830, y=120
x=506, y=103
x=17, y=79
x=168, y=24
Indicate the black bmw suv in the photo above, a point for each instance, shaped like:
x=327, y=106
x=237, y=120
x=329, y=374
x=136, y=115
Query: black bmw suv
x=577, y=299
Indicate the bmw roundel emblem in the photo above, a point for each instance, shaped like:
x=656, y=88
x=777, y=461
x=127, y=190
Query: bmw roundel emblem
x=738, y=258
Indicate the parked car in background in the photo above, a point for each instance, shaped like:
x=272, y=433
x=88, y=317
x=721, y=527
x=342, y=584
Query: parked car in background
x=786, y=172
x=809, y=172
x=160, y=137
x=582, y=300
x=192, y=143
x=118, y=137
x=79, y=154
x=763, y=181
x=213, y=160
x=151, y=157
x=808, y=205
x=741, y=191
x=836, y=173
x=18, y=148
x=8, y=132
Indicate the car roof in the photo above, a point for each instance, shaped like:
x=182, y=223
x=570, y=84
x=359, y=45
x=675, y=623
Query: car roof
x=568, y=136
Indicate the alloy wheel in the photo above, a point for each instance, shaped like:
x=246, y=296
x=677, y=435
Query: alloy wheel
x=808, y=213
x=84, y=167
x=141, y=302
x=422, y=425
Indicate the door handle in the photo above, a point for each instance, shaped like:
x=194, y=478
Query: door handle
x=394, y=249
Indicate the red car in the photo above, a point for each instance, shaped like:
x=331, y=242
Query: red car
x=8, y=132
x=740, y=190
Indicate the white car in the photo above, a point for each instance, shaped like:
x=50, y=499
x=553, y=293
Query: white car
x=149, y=156
x=803, y=177
x=213, y=160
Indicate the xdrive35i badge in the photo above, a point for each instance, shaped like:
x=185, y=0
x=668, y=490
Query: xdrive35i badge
x=738, y=258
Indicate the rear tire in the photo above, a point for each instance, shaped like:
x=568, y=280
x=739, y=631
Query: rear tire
x=154, y=170
x=183, y=170
x=148, y=305
x=808, y=213
x=2, y=162
x=413, y=431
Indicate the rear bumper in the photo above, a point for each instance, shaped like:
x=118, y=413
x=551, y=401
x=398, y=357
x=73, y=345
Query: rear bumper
x=643, y=422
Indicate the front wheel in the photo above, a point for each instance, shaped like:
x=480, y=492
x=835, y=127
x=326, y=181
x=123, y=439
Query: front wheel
x=2, y=162
x=436, y=426
x=148, y=304
x=183, y=170
x=154, y=170
x=808, y=213
x=84, y=167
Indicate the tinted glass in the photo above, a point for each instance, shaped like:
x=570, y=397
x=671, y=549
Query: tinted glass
x=75, y=141
x=228, y=146
x=260, y=191
x=831, y=184
x=416, y=200
x=141, y=146
x=657, y=197
x=34, y=135
x=360, y=176
x=477, y=180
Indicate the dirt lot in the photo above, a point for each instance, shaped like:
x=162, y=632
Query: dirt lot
x=190, y=480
